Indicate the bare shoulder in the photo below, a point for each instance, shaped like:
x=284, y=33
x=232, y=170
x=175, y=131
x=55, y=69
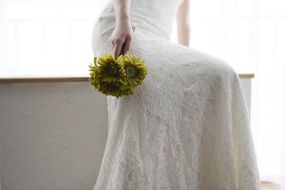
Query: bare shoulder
x=183, y=9
x=183, y=4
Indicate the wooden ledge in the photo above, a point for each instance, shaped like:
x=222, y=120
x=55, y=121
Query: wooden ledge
x=74, y=79
x=246, y=75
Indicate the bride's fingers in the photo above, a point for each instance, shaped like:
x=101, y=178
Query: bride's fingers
x=122, y=49
x=118, y=48
x=127, y=44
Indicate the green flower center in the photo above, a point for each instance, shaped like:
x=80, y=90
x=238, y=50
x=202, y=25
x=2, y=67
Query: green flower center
x=131, y=71
x=113, y=86
x=113, y=69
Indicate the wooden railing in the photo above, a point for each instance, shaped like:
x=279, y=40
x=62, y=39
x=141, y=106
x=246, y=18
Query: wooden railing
x=74, y=79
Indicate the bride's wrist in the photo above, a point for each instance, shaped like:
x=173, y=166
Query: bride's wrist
x=123, y=20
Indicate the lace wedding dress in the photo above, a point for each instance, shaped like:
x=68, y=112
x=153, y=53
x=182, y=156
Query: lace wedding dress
x=186, y=127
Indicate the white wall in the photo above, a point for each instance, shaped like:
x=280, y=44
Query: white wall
x=52, y=135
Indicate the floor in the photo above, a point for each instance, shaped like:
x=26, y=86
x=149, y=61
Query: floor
x=269, y=186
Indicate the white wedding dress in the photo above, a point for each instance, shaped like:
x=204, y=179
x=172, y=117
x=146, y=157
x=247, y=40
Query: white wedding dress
x=186, y=127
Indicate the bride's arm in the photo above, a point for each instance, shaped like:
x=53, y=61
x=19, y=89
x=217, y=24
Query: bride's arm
x=183, y=26
x=122, y=34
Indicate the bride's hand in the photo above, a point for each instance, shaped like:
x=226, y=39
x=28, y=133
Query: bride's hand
x=121, y=38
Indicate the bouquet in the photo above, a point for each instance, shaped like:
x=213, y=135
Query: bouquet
x=117, y=77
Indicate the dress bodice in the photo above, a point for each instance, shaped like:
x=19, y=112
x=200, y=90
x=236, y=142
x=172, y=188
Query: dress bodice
x=153, y=15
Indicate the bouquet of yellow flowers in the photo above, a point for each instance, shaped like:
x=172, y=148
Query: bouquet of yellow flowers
x=117, y=77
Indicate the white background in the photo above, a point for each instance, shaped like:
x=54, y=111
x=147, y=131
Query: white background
x=53, y=38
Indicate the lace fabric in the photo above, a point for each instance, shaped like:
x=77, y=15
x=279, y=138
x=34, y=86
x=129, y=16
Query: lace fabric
x=186, y=127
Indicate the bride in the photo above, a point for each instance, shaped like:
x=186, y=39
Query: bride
x=186, y=127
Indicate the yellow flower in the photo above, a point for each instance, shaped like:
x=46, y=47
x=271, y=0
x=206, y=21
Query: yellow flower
x=112, y=88
x=117, y=77
x=134, y=68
